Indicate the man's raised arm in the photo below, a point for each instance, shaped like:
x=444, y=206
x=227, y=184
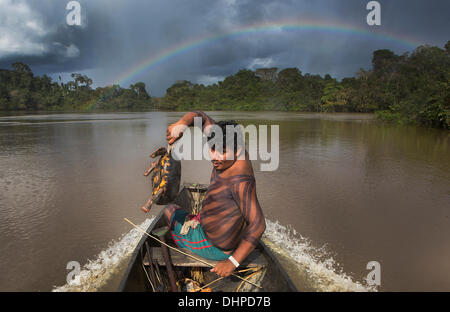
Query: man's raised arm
x=175, y=130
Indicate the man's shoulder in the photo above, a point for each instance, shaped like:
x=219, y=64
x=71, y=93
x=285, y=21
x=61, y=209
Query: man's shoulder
x=243, y=167
x=240, y=175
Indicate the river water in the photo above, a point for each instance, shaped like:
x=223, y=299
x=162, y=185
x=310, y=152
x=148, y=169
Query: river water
x=348, y=191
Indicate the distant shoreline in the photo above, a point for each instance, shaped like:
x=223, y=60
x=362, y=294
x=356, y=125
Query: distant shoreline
x=408, y=89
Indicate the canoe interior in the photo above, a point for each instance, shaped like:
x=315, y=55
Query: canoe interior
x=270, y=274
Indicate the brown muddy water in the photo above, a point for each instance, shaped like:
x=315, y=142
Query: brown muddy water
x=348, y=190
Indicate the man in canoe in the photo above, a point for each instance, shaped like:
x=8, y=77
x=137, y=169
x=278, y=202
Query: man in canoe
x=231, y=220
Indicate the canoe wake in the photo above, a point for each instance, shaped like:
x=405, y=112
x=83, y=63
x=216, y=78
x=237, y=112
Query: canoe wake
x=108, y=265
x=310, y=268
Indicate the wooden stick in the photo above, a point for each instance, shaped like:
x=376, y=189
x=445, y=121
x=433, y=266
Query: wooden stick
x=150, y=263
x=218, y=279
x=169, y=267
x=177, y=250
x=248, y=277
x=148, y=277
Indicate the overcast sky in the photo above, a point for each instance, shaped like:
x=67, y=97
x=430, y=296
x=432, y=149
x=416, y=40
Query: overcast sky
x=116, y=36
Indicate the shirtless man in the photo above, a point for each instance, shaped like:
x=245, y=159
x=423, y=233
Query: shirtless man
x=231, y=220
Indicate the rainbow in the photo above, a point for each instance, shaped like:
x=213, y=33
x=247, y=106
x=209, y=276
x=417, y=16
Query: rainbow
x=189, y=45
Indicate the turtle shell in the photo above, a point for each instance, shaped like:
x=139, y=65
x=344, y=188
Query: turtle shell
x=165, y=175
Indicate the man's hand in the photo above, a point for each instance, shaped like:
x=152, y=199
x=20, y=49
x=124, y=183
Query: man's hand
x=224, y=268
x=175, y=131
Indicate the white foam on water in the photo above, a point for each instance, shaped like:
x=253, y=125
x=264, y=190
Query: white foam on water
x=322, y=271
x=96, y=273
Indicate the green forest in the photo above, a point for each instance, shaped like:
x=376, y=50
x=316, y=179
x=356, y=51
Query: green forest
x=412, y=88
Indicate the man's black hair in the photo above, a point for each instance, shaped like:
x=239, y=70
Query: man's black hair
x=233, y=138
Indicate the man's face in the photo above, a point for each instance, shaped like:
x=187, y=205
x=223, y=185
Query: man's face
x=222, y=161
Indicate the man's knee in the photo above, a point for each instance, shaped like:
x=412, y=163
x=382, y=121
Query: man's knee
x=169, y=211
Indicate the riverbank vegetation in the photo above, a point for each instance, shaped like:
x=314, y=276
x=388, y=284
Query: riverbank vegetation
x=20, y=89
x=412, y=88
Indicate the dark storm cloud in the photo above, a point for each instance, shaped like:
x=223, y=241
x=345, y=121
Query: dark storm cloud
x=52, y=45
x=117, y=35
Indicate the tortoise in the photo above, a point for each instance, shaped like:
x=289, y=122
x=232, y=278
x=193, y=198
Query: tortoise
x=165, y=174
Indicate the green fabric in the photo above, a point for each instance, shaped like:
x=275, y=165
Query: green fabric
x=195, y=240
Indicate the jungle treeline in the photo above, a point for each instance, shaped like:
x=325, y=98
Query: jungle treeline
x=412, y=88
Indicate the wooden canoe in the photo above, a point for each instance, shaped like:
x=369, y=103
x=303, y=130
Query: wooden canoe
x=148, y=271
